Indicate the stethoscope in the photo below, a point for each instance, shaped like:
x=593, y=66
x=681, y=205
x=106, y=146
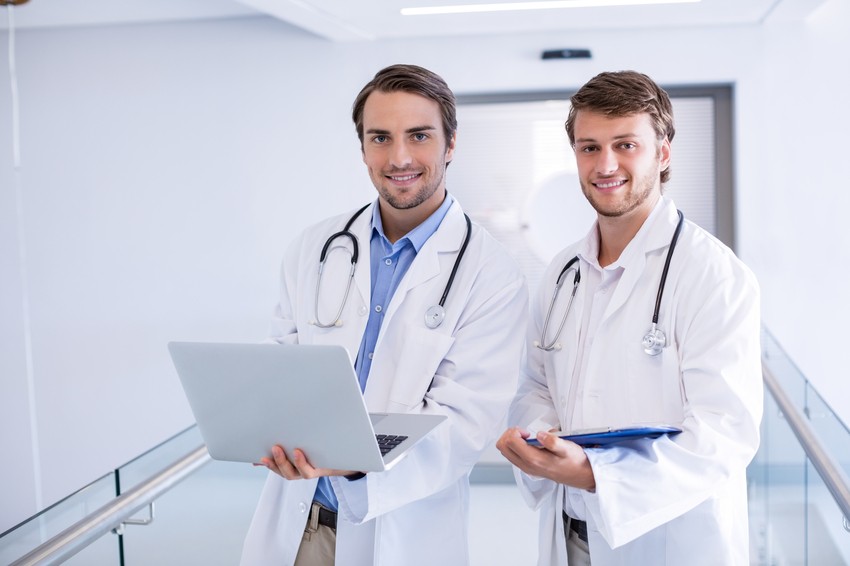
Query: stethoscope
x=434, y=315
x=653, y=341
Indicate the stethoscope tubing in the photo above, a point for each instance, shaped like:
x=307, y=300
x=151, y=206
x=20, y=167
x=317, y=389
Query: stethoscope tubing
x=434, y=315
x=554, y=345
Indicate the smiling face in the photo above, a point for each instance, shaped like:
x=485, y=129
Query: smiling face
x=619, y=160
x=405, y=151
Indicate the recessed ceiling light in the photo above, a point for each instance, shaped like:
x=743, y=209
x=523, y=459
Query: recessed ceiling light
x=542, y=5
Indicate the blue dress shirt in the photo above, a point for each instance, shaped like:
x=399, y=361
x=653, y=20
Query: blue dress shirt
x=388, y=262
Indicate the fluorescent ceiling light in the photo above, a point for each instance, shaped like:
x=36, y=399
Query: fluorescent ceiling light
x=543, y=5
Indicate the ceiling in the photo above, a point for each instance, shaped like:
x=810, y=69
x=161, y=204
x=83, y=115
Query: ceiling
x=365, y=20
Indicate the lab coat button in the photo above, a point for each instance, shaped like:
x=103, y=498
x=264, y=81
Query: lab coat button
x=363, y=310
x=302, y=507
x=564, y=401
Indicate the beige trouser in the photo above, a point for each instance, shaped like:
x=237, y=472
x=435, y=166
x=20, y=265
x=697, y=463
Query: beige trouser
x=578, y=552
x=318, y=544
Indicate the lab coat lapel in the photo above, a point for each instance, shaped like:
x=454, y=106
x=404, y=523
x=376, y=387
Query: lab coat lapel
x=657, y=237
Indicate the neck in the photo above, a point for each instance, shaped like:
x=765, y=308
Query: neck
x=398, y=222
x=615, y=232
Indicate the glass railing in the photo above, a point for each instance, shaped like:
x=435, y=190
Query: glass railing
x=201, y=513
x=794, y=516
x=53, y=520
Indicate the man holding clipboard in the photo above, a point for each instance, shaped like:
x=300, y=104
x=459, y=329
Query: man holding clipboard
x=657, y=322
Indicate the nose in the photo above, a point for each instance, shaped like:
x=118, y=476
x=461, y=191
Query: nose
x=400, y=156
x=606, y=162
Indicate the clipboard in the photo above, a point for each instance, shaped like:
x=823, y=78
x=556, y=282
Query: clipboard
x=601, y=437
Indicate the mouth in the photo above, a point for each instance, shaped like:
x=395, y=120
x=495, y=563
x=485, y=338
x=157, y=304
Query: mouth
x=403, y=179
x=604, y=185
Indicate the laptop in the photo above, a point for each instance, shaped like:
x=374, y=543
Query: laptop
x=248, y=397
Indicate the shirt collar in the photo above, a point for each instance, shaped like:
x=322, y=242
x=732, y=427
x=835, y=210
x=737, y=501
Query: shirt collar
x=589, y=251
x=419, y=235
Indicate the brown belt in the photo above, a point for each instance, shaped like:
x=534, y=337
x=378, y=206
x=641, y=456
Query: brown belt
x=577, y=526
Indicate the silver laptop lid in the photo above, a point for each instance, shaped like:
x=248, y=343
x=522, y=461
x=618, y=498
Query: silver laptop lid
x=248, y=397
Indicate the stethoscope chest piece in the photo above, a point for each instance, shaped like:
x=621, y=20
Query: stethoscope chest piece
x=654, y=341
x=434, y=316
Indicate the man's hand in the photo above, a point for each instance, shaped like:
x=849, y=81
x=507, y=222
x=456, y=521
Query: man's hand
x=556, y=459
x=298, y=467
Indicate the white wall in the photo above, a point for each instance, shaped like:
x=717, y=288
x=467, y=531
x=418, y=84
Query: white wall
x=793, y=200
x=166, y=167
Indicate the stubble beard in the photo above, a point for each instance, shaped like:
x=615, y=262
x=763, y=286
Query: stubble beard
x=635, y=197
x=406, y=202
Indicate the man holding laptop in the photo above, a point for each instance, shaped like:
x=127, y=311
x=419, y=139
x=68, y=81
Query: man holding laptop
x=429, y=318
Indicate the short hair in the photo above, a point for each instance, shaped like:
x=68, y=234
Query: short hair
x=625, y=93
x=415, y=80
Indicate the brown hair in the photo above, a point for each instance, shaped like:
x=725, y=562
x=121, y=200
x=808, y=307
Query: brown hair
x=625, y=93
x=412, y=79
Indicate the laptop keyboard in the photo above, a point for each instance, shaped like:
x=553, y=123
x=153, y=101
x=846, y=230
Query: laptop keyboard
x=389, y=441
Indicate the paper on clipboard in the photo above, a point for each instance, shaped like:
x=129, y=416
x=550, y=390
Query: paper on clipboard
x=600, y=437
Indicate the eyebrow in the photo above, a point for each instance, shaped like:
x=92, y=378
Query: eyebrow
x=619, y=137
x=412, y=130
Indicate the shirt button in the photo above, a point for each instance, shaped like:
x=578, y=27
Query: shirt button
x=388, y=261
x=302, y=507
x=378, y=308
x=371, y=355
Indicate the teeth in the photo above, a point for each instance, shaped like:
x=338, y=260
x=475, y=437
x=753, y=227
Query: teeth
x=609, y=185
x=405, y=178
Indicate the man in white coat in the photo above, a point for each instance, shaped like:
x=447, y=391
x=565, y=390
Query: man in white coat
x=681, y=499
x=411, y=241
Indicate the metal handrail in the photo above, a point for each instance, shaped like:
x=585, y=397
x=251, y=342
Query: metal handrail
x=115, y=513
x=830, y=472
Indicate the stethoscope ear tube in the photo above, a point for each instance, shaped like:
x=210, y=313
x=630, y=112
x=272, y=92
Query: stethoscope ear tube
x=667, y=267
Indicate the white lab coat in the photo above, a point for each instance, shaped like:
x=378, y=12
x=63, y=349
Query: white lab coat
x=466, y=369
x=677, y=500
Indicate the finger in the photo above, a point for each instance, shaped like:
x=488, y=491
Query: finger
x=282, y=465
x=521, y=455
x=553, y=443
x=299, y=460
x=512, y=434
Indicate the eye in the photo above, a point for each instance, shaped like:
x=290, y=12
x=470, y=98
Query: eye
x=419, y=136
x=587, y=148
x=380, y=139
x=628, y=145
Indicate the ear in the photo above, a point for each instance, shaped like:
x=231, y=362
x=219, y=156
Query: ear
x=450, y=147
x=664, y=154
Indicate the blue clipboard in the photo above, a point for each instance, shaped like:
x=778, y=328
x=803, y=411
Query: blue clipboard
x=605, y=436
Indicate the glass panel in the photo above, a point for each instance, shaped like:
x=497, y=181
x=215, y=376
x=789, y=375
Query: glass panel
x=794, y=520
x=25, y=537
x=777, y=479
x=203, y=520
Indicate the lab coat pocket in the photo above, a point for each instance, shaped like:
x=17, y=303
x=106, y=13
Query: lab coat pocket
x=655, y=383
x=418, y=355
